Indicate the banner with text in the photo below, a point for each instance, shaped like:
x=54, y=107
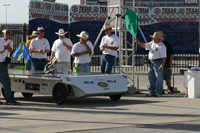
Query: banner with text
x=48, y=10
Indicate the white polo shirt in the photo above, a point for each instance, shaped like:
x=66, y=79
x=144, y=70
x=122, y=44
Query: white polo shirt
x=78, y=48
x=39, y=44
x=62, y=54
x=7, y=53
x=156, y=51
x=112, y=41
x=2, y=56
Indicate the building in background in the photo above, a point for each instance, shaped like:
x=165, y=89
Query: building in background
x=50, y=0
x=147, y=3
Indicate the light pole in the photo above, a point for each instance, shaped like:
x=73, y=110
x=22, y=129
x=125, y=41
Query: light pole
x=6, y=11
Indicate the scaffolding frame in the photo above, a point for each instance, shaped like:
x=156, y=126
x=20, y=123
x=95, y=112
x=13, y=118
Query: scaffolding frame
x=116, y=11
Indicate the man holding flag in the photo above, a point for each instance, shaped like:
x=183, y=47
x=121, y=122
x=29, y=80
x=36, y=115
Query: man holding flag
x=157, y=54
x=157, y=57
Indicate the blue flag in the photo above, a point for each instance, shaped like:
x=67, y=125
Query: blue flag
x=21, y=52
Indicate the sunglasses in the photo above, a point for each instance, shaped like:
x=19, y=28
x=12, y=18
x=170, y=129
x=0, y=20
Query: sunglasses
x=107, y=29
x=155, y=38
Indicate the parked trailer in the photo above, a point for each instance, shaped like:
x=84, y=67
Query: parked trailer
x=60, y=86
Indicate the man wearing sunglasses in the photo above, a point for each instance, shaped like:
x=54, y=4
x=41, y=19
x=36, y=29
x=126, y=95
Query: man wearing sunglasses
x=109, y=46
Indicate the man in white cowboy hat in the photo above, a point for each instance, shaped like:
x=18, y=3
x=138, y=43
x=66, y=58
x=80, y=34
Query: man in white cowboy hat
x=157, y=57
x=5, y=46
x=109, y=46
x=28, y=62
x=39, y=48
x=82, y=52
x=61, y=51
x=168, y=63
x=8, y=44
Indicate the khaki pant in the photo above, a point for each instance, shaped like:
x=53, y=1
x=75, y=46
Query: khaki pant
x=63, y=67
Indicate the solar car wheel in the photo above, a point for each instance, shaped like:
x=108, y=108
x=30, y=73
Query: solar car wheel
x=59, y=93
x=115, y=97
x=27, y=95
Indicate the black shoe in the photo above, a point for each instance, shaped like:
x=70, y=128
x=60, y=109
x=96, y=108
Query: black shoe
x=13, y=103
x=163, y=91
x=157, y=95
x=149, y=95
x=171, y=90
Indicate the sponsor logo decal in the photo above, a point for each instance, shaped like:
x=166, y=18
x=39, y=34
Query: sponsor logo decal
x=88, y=82
x=95, y=9
x=111, y=81
x=102, y=84
x=125, y=76
x=44, y=84
x=157, y=11
x=67, y=78
x=75, y=9
x=181, y=11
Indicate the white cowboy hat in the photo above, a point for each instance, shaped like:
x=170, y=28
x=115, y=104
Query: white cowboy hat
x=34, y=34
x=61, y=32
x=157, y=35
x=6, y=31
x=40, y=30
x=161, y=32
x=107, y=26
x=83, y=35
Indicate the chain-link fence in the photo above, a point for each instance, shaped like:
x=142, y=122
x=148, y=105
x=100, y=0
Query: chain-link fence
x=186, y=54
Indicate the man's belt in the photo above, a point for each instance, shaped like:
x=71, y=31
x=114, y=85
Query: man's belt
x=109, y=55
x=39, y=58
x=156, y=59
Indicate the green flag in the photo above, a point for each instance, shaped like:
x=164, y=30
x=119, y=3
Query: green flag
x=131, y=22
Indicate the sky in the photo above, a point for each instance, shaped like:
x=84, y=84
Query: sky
x=17, y=12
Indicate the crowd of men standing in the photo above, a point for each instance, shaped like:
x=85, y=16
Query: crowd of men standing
x=160, y=56
x=61, y=51
x=63, y=48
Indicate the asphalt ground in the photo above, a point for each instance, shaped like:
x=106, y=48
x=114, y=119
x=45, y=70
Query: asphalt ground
x=133, y=113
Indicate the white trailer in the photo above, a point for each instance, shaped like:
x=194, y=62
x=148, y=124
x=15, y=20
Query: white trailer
x=62, y=85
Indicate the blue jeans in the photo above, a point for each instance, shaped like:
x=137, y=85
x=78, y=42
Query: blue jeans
x=167, y=73
x=83, y=68
x=107, y=62
x=5, y=80
x=38, y=64
x=155, y=78
x=28, y=65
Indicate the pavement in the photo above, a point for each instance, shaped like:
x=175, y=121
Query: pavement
x=133, y=113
